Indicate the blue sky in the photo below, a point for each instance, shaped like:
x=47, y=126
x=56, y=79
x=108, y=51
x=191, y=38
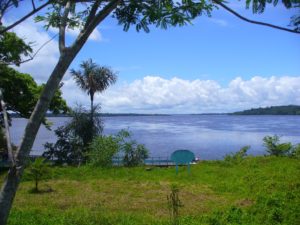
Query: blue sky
x=218, y=64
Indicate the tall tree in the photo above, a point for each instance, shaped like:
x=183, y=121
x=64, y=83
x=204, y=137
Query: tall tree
x=67, y=14
x=92, y=78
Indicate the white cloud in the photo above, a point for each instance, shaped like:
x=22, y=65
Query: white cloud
x=220, y=22
x=95, y=35
x=43, y=63
x=154, y=94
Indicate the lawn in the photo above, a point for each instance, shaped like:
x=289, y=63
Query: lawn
x=259, y=190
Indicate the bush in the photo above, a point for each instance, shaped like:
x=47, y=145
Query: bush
x=238, y=156
x=102, y=149
x=274, y=147
x=67, y=149
x=74, y=138
x=134, y=154
x=295, y=153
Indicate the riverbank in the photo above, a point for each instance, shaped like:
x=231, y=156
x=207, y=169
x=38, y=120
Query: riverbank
x=259, y=190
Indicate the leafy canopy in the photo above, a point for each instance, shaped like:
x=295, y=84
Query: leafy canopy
x=21, y=93
x=12, y=48
x=141, y=13
x=259, y=6
x=92, y=78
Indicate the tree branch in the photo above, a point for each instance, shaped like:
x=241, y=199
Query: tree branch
x=7, y=135
x=31, y=57
x=92, y=13
x=253, y=21
x=88, y=28
x=62, y=27
x=2, y=31
x=33, y=5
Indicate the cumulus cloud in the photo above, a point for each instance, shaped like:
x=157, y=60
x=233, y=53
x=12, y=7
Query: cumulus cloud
x=154, y=94
x=95, y=35
x=43, y=63
x=46, y=58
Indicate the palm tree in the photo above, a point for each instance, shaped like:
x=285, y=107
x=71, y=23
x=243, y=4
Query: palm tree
x=92, y=78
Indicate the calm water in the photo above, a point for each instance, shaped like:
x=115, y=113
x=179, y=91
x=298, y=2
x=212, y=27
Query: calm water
x=208, y=136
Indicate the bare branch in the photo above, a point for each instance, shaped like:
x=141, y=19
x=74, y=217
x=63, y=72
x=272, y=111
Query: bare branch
x=33, y=5
x=7, y=135
x=253, y=21
x=25, y=17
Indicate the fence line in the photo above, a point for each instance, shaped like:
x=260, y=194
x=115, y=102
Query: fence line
x=118, y=161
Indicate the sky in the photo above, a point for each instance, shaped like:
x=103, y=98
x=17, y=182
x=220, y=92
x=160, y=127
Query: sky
x=218, y=64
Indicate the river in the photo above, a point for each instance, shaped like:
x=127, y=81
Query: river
x=208, y=136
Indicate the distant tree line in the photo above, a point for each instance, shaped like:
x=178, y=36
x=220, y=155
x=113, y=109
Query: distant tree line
x=273, y=110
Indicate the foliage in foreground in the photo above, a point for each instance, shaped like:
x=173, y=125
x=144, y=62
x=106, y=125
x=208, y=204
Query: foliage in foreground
x=260, y=190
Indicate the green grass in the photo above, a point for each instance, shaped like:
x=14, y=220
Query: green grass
x=260, y=190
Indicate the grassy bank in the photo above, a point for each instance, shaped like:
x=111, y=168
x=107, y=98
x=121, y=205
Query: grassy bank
x=260, y=190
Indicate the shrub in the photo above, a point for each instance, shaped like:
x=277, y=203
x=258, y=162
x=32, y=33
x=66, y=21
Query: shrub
x=238, y=156
x=102, y=149
x=134, y=154
x=295, y=153
x=38, y=170
x=67, y=149
x=274, y=147
x=74, y=138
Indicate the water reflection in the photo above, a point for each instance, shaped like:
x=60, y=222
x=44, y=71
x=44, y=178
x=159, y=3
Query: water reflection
x=209, y=137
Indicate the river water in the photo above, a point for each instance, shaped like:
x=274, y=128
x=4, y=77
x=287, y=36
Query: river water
x=208, y=136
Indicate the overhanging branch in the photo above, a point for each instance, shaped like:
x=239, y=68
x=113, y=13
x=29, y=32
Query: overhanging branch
x=253, y=21
x=2, y=31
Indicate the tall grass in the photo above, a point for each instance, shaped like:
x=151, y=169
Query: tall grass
x=258, y=190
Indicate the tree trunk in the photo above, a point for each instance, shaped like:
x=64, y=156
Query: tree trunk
x=11, y=182
x=92, y=106
x=36, y=185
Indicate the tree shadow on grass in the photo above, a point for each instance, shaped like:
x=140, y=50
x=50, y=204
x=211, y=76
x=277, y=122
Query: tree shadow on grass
x=41, y=191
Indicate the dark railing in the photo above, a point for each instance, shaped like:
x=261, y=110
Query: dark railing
x=150, y=161
x=117, y=161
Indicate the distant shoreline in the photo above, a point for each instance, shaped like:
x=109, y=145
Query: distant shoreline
x=267, y=111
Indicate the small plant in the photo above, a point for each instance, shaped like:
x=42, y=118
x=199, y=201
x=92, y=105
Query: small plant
x=274, y=147
x=38, y=170
x=238, y=156
x=174, y=204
